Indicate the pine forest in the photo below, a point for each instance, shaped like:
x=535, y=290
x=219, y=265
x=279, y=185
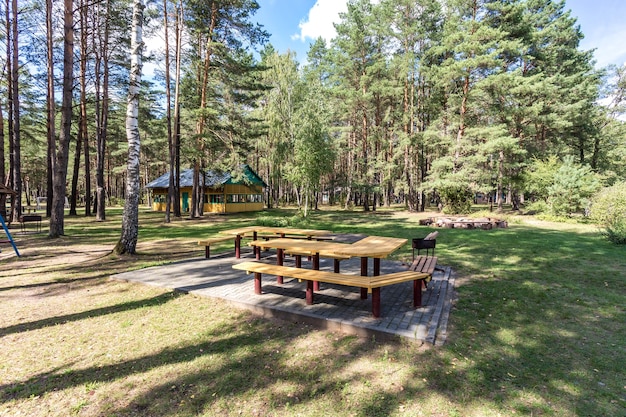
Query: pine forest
x=415, y=102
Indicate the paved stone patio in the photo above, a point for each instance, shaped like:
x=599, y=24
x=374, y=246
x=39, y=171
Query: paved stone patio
x=336, y=307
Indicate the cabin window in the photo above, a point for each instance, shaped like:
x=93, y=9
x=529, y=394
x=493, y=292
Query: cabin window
x=216, y=198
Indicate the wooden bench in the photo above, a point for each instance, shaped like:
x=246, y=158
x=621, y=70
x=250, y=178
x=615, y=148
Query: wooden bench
x=426, y=265
x=208, y=242
x=30, y=218
x=372, y=284
x=318, y=238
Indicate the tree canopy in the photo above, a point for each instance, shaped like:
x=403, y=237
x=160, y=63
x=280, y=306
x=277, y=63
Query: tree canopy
x=410, y=102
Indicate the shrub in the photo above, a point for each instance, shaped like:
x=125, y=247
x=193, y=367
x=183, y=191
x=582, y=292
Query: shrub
x=565, y=187
x=457, y=199
x=608, y=209
x=295, y=221
x=572, y=188
x=615, y=232
x=537, y=207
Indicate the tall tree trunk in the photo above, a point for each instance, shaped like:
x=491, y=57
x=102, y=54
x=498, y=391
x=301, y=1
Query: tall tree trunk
x=74, y=192
x=9, y=74
x=15, y=148
x=50, y=128
x=60, y=172
x=198, y=186
x=179, y=41
x=83, y=105
x=102, y=109
x=168, y=116
x=130, y=219
x=500, y=179
x=3, y=197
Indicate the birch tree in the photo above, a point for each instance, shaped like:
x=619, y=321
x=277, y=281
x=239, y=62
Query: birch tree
x=130, y=218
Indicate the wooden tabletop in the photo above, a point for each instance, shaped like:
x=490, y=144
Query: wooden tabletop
x=371, y=246
x=276, y=230
x=302, y=246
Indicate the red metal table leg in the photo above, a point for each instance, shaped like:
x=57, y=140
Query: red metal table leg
x=309, y=292
x=316, y=266
x=417, y=293
x=279, y=261
x=376, y=302
x=364, y=274
x=238, y=246
x=257, y=249
x=336, y=265
x=207, y=252
x=298, y=261
x=257, y=283
x=376, y=267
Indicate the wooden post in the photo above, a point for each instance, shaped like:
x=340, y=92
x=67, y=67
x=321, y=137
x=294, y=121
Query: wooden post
x=309, y=292
x=417, y=293
x=279, y=261
x=257, y=283
x=376, y=302
x=316, y=266
x=376, y=267
x=364, y=274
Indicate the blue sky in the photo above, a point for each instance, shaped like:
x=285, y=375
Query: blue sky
x=295, y=23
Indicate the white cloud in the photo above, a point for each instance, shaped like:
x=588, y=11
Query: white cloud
x=320, y=20
x=611, y=48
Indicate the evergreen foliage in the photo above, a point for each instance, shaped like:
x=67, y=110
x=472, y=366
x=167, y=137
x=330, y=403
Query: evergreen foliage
x=608, y=209
x=411, y=99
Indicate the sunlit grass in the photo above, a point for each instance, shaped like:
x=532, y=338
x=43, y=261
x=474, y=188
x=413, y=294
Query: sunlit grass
x=538, y=329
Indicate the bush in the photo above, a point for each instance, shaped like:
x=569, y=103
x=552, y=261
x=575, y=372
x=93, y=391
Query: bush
x=457, y=199
x=608, y=209
x=615, y=232
x=537, y=207
x=572, y=187
x=566, y=187
x=295, y=221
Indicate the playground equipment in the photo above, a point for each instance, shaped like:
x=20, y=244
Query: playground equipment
x=6, y=231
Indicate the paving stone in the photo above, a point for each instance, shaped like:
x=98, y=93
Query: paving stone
x=336, y=307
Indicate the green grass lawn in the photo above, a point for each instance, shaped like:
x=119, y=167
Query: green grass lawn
x=538, y=329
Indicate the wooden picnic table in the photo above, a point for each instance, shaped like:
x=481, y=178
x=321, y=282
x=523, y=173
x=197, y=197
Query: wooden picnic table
x=313, y=248
x=376, y=247
x=238, y=233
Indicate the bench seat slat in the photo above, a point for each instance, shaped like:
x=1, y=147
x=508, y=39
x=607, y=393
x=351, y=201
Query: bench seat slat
x=215, y=239
x=396, y=278
x=373, y=284
x=306, y=274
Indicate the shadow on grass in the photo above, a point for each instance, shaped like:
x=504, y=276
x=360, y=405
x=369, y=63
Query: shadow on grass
x=52, y=321
x=233, y=365
x=47, y=284
x=537, y=329
x=540, y=323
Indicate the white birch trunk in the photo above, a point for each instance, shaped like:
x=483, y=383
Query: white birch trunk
x=130, y=219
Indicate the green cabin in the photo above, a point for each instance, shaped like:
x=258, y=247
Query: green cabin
x=223, y=192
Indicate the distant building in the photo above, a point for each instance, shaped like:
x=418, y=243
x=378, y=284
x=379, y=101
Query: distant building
x=222, y=192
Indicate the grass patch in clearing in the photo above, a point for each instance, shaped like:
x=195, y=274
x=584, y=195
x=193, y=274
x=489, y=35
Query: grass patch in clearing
x=538, y=330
